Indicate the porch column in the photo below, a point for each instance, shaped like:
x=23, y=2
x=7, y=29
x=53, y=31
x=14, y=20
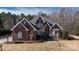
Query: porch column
x=50, y=33
x=57, y=36
x=31, y=36
x=53, y=32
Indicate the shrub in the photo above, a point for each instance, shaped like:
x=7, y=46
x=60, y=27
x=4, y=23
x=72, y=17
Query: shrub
x=4, y=32
x=48, y=37
x=65, y=35
x=18, y=42
x=44, y=37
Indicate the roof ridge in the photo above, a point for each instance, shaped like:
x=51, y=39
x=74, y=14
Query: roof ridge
x=57, y=25
x=21, y=22
x=29, y=23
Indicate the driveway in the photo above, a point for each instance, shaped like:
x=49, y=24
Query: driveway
x=4, y=39
x=76, y=37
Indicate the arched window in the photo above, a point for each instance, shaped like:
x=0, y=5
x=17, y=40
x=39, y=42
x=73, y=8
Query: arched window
x=39, y=25
x=19, y=35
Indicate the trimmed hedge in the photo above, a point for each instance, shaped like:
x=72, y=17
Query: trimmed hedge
x=44, y=37
x=5, y=32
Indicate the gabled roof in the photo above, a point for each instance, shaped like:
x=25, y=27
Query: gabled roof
x=24, y=26
x=44, y=18
x=56, y=26
x=32, y=23
x=41, y=18
x=47, y=25
x=20, y=22
x=49, y=21
x=24, y=19
x=17, y=25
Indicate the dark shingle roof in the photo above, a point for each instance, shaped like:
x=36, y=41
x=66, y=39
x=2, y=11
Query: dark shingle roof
x=56, y=26
x=46, y=20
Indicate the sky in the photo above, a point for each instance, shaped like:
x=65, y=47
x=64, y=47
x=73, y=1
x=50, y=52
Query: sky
x=29, y=10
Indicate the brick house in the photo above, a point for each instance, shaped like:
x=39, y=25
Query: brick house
x=26, y=30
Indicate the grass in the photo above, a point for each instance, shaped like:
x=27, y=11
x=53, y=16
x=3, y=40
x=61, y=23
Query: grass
x=63, y=45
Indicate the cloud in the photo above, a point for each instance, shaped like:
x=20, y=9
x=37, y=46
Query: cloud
x=26, y=11
x=7, y=10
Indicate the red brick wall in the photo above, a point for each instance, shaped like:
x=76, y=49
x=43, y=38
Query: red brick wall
x=25, y=34
x=47, y=29
x=22, y=29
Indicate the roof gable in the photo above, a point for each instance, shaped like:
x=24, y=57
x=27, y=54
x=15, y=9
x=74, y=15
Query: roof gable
x=56, y=26
x=20, y=22
x=18, y=25
x=45, y=19
x=47, y=25
x=40, y=19
x=27, y=24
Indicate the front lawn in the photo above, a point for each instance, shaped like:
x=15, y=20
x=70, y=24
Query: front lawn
x=62, y=45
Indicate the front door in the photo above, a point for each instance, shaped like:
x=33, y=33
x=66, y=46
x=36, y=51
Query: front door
x=19, y=35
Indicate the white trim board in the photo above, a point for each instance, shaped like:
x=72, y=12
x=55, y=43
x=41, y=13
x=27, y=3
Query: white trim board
x=22, y=24
x=17, y=25
x=29, y=23
x=46, y=25
x=42, y=18
x=58, y=25
x=38, y=18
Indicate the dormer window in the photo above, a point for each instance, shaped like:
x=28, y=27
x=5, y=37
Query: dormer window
x=40, y=25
